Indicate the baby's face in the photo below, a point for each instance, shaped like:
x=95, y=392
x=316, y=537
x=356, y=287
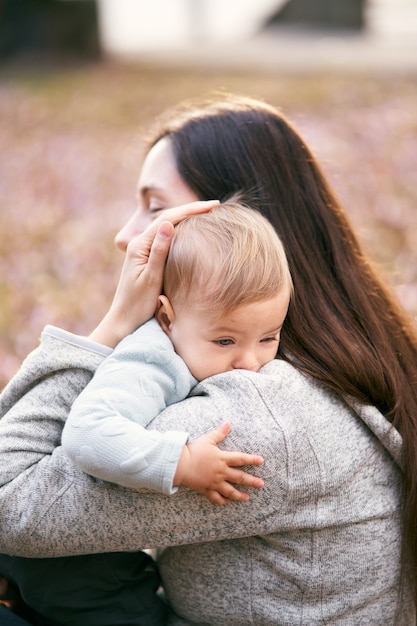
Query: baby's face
x=212, y=343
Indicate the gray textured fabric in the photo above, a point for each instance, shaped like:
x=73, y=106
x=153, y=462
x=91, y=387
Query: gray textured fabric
x=319, y=544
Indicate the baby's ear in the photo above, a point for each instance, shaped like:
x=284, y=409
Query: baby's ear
x=165, y=314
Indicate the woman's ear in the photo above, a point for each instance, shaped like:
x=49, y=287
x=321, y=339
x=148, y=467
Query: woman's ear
x=165, y=314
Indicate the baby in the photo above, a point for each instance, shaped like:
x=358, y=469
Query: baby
x=225, y=297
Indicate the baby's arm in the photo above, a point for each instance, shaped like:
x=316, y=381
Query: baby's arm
x=105, y=433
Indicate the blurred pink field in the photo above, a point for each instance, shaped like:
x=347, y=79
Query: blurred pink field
x=71, y=152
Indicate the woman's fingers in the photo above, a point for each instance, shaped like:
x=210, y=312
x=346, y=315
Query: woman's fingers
x=140, y=247
x=158, y=254
x=177, y=214
x=141, y=279
x=146, y=255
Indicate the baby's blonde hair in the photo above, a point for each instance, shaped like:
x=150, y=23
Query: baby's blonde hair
x=225, y=258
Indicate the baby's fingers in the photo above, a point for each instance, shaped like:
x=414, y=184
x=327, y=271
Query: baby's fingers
x=216, y=497
x=230, y=492
x=235, y=459
x=224, y=493
x=239, y=477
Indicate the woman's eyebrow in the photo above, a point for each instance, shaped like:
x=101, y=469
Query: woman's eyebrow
x=146, y=190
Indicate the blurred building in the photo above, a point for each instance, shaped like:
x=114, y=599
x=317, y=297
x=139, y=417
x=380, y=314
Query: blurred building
x=130, y=27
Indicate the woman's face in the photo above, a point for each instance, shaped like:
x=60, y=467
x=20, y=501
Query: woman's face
x=160, y=187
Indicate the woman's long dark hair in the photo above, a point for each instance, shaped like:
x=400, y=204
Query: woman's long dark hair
x=344, y=327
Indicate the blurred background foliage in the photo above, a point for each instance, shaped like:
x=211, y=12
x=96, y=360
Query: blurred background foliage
x=71, y=150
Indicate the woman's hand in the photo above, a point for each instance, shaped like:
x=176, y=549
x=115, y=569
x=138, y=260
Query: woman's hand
x=141, y=278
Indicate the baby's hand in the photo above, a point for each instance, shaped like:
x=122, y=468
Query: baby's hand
x=205, y=468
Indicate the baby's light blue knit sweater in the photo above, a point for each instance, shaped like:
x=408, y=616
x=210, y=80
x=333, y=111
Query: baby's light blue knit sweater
x=105, y=432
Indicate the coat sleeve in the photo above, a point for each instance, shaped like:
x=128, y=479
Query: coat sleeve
x=48, y=507
x=36, y=402
x=105, y=432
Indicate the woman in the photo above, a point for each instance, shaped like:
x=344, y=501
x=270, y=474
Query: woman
x=331, y=537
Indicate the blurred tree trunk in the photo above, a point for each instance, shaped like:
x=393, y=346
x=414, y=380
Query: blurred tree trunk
x=329, y=14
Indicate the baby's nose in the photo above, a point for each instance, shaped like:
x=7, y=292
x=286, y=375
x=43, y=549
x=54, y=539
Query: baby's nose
x=246, y=361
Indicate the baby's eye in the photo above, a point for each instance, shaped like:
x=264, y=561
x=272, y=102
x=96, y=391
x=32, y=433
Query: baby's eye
x=224, y=342
x=269, y=339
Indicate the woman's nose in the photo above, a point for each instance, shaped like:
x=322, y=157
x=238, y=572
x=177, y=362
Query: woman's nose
x=134, y=227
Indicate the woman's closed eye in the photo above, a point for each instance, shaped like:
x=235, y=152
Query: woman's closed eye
x=154, y=211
